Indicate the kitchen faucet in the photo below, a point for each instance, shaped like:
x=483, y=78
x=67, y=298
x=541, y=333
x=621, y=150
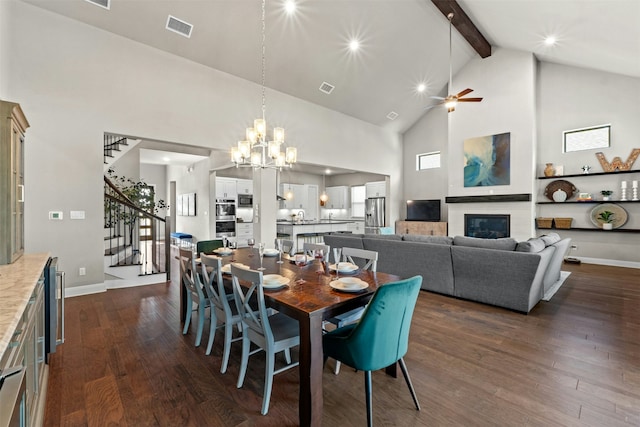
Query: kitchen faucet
x=301, y=215
x=330, y=215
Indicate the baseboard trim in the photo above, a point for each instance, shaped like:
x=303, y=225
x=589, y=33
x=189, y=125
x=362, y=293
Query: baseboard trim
x=151, y=279
x=611, y=262
x=77, y=291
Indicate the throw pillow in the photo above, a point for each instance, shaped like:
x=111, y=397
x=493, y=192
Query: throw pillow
x=504, y=244
x=532, y=245
x=441, y=240
x=550, y=238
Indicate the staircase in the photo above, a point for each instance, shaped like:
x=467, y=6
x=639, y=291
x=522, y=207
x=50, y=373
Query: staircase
x=116, y=146
x=128, y=254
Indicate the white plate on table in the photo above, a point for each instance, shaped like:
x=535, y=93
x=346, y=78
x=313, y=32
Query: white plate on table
x=226, y=269
x=349, y=284
x=344, y=267
x=274, y=281
x=223, y=251
x=292, y=258
x=271, y=252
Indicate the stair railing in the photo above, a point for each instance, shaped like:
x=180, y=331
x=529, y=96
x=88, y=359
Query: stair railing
x=112, y=143
x=126, y=246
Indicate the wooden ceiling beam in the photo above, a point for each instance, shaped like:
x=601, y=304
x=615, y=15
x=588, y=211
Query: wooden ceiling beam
x=465, y=26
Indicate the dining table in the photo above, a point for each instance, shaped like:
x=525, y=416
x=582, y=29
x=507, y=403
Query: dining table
x=309, y=297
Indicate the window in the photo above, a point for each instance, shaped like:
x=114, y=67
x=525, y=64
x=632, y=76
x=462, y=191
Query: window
x=428, y=161
x=358, y=195
x=586, y=138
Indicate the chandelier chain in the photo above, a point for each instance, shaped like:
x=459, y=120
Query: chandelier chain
x=263, y=60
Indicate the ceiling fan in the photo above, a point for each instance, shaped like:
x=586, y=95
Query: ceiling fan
x=452, y=100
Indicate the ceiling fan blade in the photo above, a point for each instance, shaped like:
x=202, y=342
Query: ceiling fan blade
x=464, y=92
x=470, y=100
x=437, y=97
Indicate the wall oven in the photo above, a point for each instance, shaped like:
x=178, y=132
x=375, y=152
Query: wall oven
x=225, y=209
x=225, y=228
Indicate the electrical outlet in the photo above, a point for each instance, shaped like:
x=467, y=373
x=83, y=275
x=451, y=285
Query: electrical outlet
x=82, y=271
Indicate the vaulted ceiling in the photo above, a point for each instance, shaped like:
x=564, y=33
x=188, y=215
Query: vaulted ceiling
x=402, y=42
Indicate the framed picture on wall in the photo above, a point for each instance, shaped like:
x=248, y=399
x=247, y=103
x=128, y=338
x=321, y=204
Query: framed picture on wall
x=179, y=210
x=487, y=160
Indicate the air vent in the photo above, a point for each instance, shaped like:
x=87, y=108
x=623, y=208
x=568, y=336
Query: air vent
x=102, y=3
x=392, y=115
x=326, y=88
x=178, y=26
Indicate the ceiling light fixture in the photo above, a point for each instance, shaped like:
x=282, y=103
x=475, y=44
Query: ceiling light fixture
x=290, y=6
x=256, y=151
x=550, y=40
x=354, y=45
x=421, y=87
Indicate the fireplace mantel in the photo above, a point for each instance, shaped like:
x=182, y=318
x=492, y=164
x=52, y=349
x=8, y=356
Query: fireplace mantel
x=523, y=197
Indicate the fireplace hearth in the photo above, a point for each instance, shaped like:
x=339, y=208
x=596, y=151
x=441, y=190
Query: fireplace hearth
x=487, y=226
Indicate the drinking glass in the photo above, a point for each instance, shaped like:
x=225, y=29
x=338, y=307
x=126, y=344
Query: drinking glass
x=337, y=252
x=251, y=242
x=224, y=241
x=279, y=248
x=261, y=253
x=301, y=260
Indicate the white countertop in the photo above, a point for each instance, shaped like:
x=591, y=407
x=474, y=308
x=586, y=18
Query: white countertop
x=17, y=282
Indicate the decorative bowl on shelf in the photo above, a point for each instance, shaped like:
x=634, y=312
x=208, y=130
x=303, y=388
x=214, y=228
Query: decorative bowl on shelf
x=568, y=188
x=618, y=218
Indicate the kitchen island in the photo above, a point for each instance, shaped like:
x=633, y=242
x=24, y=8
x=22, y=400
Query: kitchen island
x=310, y=231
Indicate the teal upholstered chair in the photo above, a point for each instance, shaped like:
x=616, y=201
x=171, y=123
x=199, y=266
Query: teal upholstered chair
x=381, y=337
x=208, y=246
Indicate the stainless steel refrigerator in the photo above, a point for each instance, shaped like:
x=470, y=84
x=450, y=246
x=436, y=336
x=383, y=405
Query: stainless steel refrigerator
x=374, y=215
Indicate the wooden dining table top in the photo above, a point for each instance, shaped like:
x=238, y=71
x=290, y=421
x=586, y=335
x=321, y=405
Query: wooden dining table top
x=312, y=294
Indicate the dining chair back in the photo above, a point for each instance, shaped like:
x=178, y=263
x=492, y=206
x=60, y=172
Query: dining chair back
x=208, y=246
x=287, y=246
x=224, y=309
x=272, y=334
x=365, y=259
x=311, y=248
x=193, y=291
x=381, y=337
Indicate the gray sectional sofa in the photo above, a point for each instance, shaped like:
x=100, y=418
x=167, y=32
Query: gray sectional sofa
x=501, y=272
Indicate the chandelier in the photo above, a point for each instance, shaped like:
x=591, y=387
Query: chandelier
x=256, y=151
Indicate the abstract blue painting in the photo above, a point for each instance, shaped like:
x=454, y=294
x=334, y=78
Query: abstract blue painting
x=487, y=160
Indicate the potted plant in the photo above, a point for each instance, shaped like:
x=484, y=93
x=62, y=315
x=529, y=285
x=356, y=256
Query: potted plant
x=607, y=218
x=606, y=194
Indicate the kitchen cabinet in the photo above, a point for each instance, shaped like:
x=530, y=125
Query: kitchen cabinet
x=312, y=208
x=13, y=125
x=226, y=188
x=26, y=344
x=375, y=189
x=244, y=186
x=338, y=197
x=299, y=199
x=356, y=227
x=421, y=227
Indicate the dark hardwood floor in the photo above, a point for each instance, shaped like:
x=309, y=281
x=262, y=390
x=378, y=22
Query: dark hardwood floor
x=573, y=361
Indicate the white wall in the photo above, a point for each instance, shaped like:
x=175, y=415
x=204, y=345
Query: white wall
x=6, y=39
x=196, y=181
x=70, y=81
x=571, y=98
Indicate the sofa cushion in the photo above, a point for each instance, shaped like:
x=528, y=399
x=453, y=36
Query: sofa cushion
x=550, y=239
x=441, y=240
x=504, y=244
x=534, y=244
x=384, y=236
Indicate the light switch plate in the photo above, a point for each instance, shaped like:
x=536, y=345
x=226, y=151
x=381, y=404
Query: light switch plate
x=76, y=214
x=55, y=215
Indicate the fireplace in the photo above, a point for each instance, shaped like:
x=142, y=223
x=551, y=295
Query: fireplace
x=487, y=226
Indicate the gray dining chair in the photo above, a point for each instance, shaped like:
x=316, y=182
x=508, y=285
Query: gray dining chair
x=272, y=334
x=310, y=248
x=287, y=246
x=194, y=293
x=224, y=311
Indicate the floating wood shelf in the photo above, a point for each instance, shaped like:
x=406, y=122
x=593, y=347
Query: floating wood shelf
x=584, y=175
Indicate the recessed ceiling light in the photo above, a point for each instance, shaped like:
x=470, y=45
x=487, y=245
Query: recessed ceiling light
x=165, y=159
x=421, y=87
x=354, y=45
x=290, y=6
x=327, y=171
x=550, y=40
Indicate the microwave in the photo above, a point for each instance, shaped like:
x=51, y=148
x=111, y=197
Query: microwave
x=245, y=200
